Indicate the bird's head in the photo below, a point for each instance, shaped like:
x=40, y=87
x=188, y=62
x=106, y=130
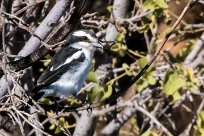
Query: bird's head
x=84, y=39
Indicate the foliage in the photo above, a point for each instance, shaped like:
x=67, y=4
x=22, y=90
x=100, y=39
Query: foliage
x=199, y=127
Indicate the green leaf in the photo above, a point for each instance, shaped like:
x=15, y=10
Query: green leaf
x=191, y=76
x=176, y=96
x=144, y=28
x=95, y=91
x=57, y=130
x=149, y=5
x=198, y=131
x=202, y=115
x=92, y=77
x=61, y=121
x=122, y=53
x=109, y=8
x=151, y=80
x=107, y=92
x=173, y=82
x=199, y=127
x=125, y=66
x=46, y=101
x=52, y=127
x=142, y=62
x=199, y=121
x=161, y=3
x=119, y=47
x=116, y=47
x=120, y=37
x=149, y=133
x=141, y=84
x=66, y=125
x=167, y=31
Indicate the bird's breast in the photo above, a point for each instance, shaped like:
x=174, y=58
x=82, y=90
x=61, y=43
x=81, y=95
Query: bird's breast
x=72, y=81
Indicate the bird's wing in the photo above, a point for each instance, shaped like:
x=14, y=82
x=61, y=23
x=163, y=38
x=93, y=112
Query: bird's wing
x=66, y=59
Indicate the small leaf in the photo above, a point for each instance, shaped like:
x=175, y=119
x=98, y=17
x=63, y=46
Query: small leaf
x=173, y=82
x=52, y=127
x=151, y=80
x=199, y=128
x=122, y=53
x=146, y=133
x=199, y=121
x=95, y=91
x=66, y=125
x=116, y=47
x=190, y=73
x=109, y=8
x=201, y=114
x=46, y=63
x=167, y=31
x=50, y=113
x=125, y=66
x=57, y=130
x=149, y=133
x=142, y=62
x=46, y=101
x=108, y=92
x=149, y=5
x=176, y=96
x=144, y=28
x=120, y=37
x=41, y=70
x=92, y=77
x=141, y=84
x=161, y=3
x=61, y=121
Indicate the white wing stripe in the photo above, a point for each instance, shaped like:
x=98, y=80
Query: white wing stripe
x=75, y=56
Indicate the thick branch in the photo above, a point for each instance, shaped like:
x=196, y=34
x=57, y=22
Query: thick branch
x=195, y=52
x=54, y=38
x=42, y=32
x=85, y=125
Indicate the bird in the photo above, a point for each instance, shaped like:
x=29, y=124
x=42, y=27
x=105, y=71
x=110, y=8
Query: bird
x=69, y=67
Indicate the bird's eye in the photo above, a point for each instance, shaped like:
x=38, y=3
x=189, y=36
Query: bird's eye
x=84, y=37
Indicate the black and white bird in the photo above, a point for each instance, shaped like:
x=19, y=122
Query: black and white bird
x=69, y=67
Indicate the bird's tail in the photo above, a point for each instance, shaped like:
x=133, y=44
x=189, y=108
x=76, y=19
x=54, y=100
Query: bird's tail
x=36, y=93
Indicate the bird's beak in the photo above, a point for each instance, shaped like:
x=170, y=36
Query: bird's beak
x=98, y=46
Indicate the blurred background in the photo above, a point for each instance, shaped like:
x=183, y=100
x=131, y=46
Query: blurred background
x=166, y=100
